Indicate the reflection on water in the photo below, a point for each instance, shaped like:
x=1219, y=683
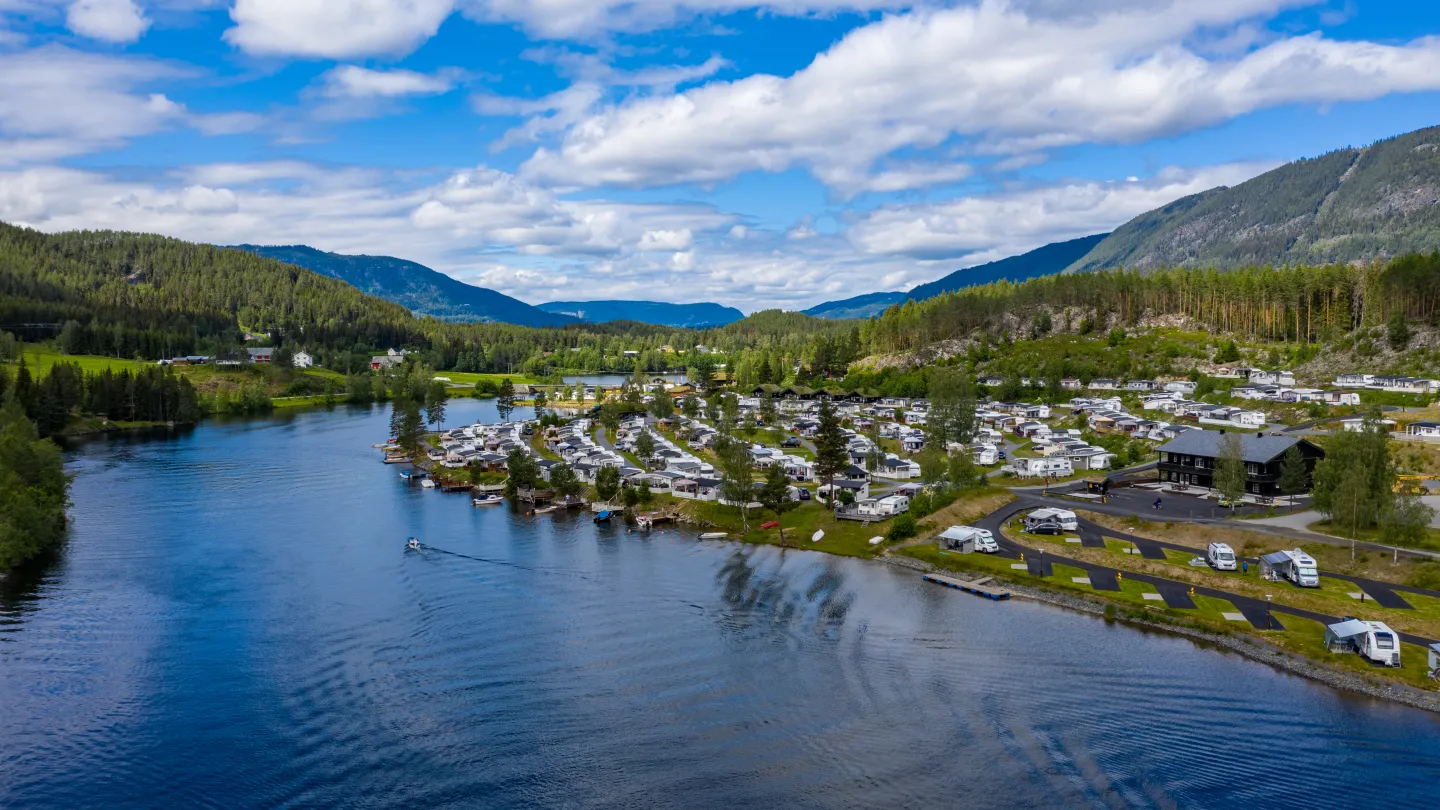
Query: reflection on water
x=235, y=622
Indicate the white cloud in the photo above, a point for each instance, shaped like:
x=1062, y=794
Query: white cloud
x=682, y=261
x=993, y=77
x=588, y=19
x=350, y=81
x=334, y=29
x=117, y=21
x=666, y=240
x=984, y=228
x=58, y=102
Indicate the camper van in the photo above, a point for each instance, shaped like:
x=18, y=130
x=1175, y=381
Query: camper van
x=1302, y=570
x=1294, y=565
x=1220, y=556
x=1063, y=518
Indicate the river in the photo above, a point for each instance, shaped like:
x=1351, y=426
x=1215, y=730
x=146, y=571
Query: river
x=234, y=623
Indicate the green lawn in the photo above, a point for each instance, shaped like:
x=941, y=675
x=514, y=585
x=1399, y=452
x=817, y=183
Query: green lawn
x=1372, y=535
x=467, y=378
x=41, y=358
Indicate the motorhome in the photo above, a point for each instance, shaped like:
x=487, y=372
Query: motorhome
x=1294, y=565
x=1062, y=517
x=1220, y=556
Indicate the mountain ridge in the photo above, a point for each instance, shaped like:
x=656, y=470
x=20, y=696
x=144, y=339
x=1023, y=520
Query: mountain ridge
x=413, y=285
x=1352, y=204
x=660, y=313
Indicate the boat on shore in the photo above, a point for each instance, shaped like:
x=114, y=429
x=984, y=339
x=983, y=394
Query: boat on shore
x=487, y=500
x=714, y=536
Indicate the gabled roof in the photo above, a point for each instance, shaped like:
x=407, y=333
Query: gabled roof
x=1253, y=448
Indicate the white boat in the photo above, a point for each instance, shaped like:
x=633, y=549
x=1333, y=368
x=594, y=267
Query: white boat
x=487, y=500
x=713, y=536
x=413, y=544
x=428, y=483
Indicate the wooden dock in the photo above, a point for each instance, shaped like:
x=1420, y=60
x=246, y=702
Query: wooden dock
x=979, y=587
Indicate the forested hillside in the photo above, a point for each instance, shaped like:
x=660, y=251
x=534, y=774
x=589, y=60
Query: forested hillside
x=861, y=306
x=1349, y=205
x=414, y=286
x=139, y=295
x=1298, y=304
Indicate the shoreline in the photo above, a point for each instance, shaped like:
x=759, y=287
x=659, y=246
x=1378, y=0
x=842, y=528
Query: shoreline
x=1244, y=645
x=1247, y=646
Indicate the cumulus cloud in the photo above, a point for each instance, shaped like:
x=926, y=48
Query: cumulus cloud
x=666, y=240
x=117, y=21
x=984, y=228
x=350, y=81
x=1000, y=79
x=334, y=29
x=487, y=226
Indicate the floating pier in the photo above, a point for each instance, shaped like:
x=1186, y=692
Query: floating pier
x=979, y=587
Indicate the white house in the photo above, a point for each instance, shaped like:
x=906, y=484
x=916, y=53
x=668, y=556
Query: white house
x=1428, y=430
x=1104, y=384
x=1354, y=380
x=897, y=468
x=1262, y=377
x=985, y=454
x=1089, y=458
x=696, y=489
x=303, y=360
x=1358, y=423
x=1237, y=417
x=1038, y=467
x=1407, y=385
x=1180, y=386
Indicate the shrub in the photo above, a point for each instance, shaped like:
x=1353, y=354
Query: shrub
x=903, y=527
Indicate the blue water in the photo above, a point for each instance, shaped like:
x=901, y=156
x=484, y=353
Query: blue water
x=234, y=623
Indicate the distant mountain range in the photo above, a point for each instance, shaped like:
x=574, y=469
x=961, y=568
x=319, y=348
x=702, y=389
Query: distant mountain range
x=861, y=306
x=414, y=286
x=1348, y=205
x=429, y=292
x=1042, y=261
x=693, y=316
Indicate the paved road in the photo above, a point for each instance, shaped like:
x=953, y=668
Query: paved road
x=602, y=439
x=1259, y=613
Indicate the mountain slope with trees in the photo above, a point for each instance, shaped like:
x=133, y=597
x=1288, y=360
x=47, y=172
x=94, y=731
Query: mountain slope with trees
x=414, y=286
x=659, y=313
x=1042, y=261
x=1345, y=206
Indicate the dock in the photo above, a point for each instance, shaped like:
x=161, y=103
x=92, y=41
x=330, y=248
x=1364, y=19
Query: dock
x=978, y=587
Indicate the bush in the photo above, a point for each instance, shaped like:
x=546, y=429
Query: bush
x=486, y=389
x=903, y=527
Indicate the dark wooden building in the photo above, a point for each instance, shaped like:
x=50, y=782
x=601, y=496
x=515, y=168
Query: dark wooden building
x=1190, y=458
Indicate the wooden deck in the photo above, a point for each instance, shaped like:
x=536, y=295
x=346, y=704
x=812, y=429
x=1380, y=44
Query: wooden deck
x=978, y=587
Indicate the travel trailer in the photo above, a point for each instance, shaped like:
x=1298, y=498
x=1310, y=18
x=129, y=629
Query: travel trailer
x=1374, y=641
x=966, y=539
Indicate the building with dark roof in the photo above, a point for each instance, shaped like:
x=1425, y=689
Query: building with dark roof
x=1190, y=458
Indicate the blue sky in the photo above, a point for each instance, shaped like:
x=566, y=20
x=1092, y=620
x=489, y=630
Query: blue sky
x=762, y=155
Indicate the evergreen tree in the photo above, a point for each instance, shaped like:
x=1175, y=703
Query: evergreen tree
x=1294, y=475
x=832, y=455
x=506, y=399
x=644, y=492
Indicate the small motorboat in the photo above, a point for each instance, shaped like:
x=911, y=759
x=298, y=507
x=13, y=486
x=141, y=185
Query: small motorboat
x=544, y=510
x=428, y=483
x=487, y=500
x=603, y=517
x=413, y=544
x=713, y=536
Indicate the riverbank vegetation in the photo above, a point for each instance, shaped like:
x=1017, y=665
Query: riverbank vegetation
x=34, y=489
